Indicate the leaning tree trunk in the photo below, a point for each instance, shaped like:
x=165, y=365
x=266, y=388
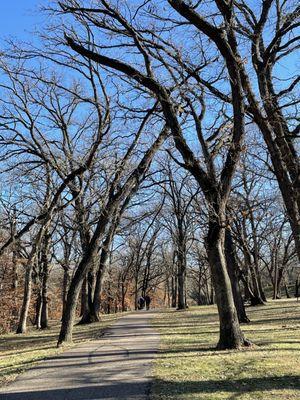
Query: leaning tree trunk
x=68, y=317
x=96, y=305
x=233, y=271
x=231, y=336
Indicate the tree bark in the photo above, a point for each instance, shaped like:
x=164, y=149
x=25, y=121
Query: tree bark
x=231, y=336
x=45, y=279
x=66, y=279
x=22, y=325
x=233, y=271
x=38, y=311
x=181, y=271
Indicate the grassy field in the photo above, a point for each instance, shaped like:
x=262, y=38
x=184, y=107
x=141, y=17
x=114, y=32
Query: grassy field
x=189, y=368
x=18, y=352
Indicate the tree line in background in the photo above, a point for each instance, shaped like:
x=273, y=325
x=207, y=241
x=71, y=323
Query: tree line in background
x=150, y=148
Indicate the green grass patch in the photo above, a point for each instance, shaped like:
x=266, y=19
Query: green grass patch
x=19, y=352
x=188, y=367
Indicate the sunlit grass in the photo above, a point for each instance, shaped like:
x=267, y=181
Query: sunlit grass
x=188, y=367
x=18, y=352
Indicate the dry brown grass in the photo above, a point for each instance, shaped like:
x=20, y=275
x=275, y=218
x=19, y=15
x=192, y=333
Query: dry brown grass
x=189, y=368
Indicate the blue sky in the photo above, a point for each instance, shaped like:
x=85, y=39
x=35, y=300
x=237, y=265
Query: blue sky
x=19, y=17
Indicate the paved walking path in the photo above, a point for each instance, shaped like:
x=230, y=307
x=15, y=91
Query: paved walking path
x=117, y=366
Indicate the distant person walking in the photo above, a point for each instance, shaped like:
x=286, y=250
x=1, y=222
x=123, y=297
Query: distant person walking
x=148, y=301
x=141, y=303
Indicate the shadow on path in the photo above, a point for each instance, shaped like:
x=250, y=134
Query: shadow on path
x=117, y=366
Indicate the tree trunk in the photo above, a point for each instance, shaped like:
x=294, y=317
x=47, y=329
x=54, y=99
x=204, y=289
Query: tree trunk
x=38, y=311
x=255, y=295
x=15, y=252
x=288, y=296
x=256, y=299
x=45, y=279
x=22, y=325
x=88, y=315
x=65, y=287
x=181, y=265
x=174, y=291
x=231, y=336
x=233, y=271
x=181, y=298
x=84, y=298
x=212, y=294
x=65, y=335
x=123, y=294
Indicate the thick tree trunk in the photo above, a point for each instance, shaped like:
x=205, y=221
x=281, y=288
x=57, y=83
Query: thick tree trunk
x=181, y=298
x=65, y=335
x=68, y=317
x=231, y=336
x=89, y=315
x=233, y=271
x=84, y=298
